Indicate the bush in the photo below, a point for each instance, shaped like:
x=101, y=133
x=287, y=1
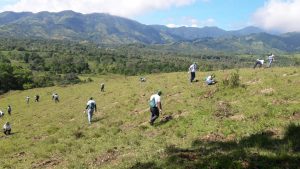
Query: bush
x=233, y=81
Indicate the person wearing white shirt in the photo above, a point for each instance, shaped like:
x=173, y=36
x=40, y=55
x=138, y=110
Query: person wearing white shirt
x=210, y=80
x=192, y=70
x=90, y=108
x=259, y=63
x=271, y=59
x=155, y=106
x=1, y=113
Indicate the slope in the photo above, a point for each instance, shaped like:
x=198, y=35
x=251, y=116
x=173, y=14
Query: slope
x=211, y=126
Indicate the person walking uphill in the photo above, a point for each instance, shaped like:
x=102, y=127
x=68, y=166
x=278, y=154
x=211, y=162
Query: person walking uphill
x=155, y=106
x=192, y=70
x=90, y=108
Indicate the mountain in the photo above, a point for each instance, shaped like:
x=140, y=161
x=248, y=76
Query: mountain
x=100, y=28
x=107, y=29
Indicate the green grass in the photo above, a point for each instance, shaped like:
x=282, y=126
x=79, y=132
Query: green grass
x=252, y=126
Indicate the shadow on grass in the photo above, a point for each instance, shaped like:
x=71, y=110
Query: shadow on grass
x=147, y=165
x=165, y=119
x=257, y=151
x=96, y=119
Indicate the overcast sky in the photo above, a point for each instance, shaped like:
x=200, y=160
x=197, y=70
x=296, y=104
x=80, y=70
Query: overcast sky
x=272, y=15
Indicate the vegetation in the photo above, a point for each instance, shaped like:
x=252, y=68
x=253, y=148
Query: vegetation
x=253, y=125
x=32, y=63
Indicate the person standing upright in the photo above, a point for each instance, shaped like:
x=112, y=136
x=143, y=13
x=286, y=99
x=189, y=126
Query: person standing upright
x=155, y=106
x=27, y=99
x=90, y=108
x=9, y=109
x=192, y=71
x=271, y=59
x=102, y=87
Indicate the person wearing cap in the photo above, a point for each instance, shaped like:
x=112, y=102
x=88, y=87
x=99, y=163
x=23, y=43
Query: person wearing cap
x=90, y=108
x=192, y=71
x=210, y=80
x=155, y=106
x=7, y=128
x=258, y=62
x=271, y=59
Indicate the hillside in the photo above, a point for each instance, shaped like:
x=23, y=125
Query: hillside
x=255, y=125
x=102, y=28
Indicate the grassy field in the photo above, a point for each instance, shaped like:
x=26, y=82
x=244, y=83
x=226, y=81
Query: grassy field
x=254, y=125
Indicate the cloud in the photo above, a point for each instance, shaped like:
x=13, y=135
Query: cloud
x=192, y=22
x=126, y=8
x=278, y=15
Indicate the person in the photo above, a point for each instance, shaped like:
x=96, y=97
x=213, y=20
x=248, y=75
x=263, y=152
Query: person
x=7, y=128
x=9, y=109
x=210, y=80
x=55, y=97
x=155, y=106
x=271, y=59
x=1, y=113
x=258, y=62
x=192, y=70
x=142, y=79
x=27, y=99
x=37, y=98
x=90, y=108
x=102, y=87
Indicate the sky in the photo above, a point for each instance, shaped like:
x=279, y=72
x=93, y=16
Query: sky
x=271, y=15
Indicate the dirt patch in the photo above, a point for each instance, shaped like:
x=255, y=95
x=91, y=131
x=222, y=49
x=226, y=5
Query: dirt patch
x=213, y=137
x=151, y=134
x=19, y=155
x=267, y=91
x=273, y=132
x=295, y=115
x=253, y=82
x=279, y=102
x=180, y=114
x=210, y=94
x=37, y=138
x=107, y=157
x=135, y=112
x=175, y=94
x=237, y=117
x=50, y=163
x=224, y=109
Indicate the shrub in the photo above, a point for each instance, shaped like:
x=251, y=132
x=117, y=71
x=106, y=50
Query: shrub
x=233, y=81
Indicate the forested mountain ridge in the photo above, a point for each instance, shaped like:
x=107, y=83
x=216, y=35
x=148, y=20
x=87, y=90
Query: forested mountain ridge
x=107, y=29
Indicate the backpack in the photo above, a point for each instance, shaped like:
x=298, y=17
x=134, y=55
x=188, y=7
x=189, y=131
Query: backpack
x=92, y=105
x=152, y=103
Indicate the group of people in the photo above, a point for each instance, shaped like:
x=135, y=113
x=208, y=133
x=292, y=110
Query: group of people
x=260, y=62
x=36, y=98
x=210, y=79
x=6, y=126
x=154, y=102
